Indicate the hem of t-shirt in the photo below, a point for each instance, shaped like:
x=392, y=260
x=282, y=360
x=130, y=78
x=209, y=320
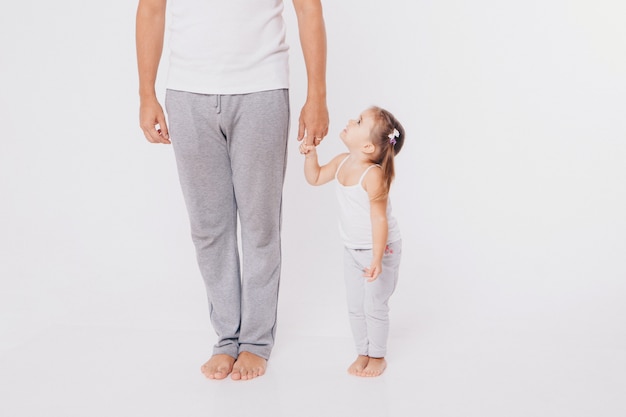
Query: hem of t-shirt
x=367, y=246
x=190, y=82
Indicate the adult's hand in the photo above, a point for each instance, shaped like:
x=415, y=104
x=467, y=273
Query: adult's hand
x=313, y=122
x=152, y=121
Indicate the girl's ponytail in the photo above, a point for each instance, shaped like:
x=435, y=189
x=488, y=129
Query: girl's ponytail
x=388, y=136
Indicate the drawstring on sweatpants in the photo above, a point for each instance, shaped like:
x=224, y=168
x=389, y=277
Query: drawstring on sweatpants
x=218, y=103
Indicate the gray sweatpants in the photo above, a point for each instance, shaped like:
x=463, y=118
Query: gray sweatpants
x=231, y=152
x=368, y=302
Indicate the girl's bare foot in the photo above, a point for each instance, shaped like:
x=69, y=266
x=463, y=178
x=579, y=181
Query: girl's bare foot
x=358, y=365
x=218, y=367
x=248, y=366
x=375, y=367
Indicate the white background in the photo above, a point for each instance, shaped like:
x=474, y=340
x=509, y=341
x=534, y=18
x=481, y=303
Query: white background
x=510, y=192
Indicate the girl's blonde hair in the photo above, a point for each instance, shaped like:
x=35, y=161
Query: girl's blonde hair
x=388, y=137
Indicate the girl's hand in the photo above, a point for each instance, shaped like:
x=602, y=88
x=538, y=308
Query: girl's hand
x=373, y=271
x=305, y=149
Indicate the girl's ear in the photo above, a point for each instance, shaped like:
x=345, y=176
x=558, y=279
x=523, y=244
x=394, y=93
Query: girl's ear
x=369, y=148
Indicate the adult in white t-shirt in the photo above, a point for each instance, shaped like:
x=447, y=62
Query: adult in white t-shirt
x=227, y=103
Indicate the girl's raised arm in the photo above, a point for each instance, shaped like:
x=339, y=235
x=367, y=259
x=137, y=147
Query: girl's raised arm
x=316, y=174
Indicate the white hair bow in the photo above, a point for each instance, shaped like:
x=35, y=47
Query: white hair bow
x=393, y=135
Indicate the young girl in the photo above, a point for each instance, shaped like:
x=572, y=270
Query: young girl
x=369, y=231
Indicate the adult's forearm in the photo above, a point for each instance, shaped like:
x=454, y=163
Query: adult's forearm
x=312, y=32
x=150, y=30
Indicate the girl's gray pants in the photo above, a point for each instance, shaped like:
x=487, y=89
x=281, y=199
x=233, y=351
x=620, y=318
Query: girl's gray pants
x=368, y=302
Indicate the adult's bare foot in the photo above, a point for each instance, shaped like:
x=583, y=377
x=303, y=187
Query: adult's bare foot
x=218, y=367
x=248, y=366
x=358, y=365
x=375, y=367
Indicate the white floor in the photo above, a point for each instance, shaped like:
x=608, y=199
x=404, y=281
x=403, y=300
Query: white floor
x=93, y=370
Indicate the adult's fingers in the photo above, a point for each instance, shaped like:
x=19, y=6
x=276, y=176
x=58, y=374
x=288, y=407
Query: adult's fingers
x=163, y=131
x=301, y=129
x=153, y=124
x=154, y=133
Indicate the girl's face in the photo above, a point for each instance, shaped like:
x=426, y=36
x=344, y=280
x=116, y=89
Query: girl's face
x=358, y=132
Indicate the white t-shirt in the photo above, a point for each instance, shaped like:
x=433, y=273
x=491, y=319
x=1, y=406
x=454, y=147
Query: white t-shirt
x=355, y=222
x=227, y=47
